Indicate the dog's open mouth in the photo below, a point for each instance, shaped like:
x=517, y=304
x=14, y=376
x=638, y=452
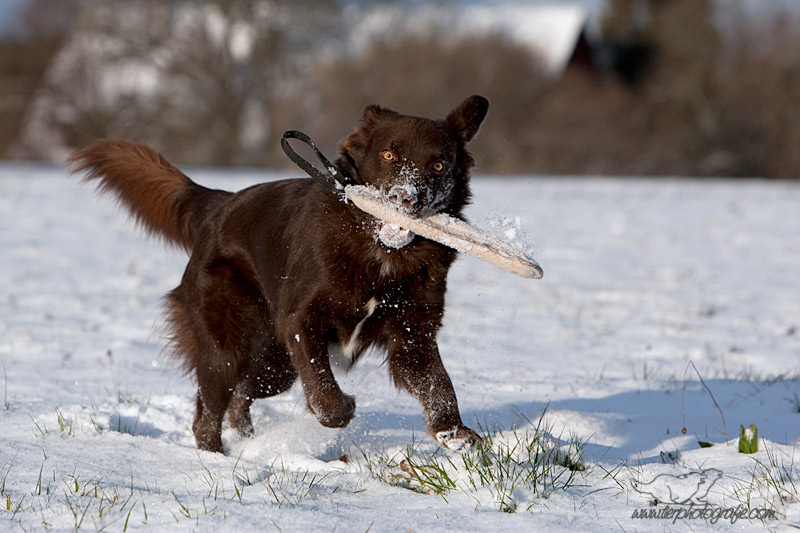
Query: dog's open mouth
x=405, y=198
x=393, y=235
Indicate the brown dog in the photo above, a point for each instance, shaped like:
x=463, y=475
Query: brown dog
x=280, y=273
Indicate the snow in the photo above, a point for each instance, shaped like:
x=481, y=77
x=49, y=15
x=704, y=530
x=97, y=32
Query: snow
x=643, y=276
x=549, y=30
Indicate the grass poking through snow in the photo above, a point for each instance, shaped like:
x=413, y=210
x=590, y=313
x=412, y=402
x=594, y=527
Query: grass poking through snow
x=774, y=482
x=509, y=470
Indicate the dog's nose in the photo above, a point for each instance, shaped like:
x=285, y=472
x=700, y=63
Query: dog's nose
x=405, y=196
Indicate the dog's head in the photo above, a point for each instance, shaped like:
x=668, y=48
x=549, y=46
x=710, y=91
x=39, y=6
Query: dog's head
x=420, y=165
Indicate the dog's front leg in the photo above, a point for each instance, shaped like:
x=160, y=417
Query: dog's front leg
x=330, y=405
x=417, y=367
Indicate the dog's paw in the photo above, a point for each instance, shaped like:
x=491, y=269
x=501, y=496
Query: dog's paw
x=457, y=440
x=335, y=412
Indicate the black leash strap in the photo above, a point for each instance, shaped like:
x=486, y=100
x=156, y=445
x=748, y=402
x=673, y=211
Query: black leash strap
x=335, y=180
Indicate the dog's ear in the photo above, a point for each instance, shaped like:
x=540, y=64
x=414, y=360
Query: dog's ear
x=355, y=146
x=374, y=112
x=467, y=117
x=351, y=150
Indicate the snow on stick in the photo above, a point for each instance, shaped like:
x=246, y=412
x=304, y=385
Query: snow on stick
x=451, y=232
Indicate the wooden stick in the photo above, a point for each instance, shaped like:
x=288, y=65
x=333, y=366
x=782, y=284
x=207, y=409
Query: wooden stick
x=450, y=231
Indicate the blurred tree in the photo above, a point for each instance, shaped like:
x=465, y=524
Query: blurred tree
x=427, y=74
x=666, y=119
x=215, y=82
x=161, y=72
x=627, y=48
x=25, y=52
x=92, y=86
x=759, y=84
x=682, y=92
x=226, y=69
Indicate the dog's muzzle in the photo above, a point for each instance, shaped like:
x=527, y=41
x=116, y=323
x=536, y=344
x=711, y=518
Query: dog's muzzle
x=406, y=198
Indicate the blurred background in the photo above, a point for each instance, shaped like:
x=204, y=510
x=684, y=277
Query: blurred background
x=620, y=87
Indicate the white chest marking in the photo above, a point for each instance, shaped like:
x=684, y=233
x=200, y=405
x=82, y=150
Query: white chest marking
x=350, y=348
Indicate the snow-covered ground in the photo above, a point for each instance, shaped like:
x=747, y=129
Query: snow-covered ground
x=641, y=277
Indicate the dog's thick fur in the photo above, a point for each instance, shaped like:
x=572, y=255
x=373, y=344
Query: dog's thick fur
x=282, y=272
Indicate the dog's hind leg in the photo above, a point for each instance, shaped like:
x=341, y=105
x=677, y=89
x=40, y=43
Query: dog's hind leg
x=196, y=354
x=239, y=411
x=269, y=373
x=214, y=393
x=212, y=332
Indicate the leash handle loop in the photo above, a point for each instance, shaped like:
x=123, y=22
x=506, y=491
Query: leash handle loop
x=334, y=180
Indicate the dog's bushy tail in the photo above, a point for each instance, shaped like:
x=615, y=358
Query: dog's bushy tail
x=161, y=198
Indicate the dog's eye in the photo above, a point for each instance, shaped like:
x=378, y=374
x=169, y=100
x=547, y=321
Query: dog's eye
x=387, y=155
x=438, y=166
